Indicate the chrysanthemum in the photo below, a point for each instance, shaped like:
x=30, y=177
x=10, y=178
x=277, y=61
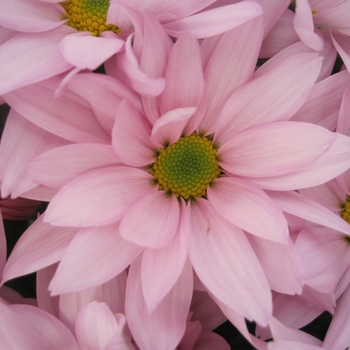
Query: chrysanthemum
x=178, y=176
x=41, y=39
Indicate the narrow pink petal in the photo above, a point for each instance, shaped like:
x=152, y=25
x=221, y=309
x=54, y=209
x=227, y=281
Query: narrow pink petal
x=304, y=26
x=138, y=80
x=93, y=249
x=342, y=44
x=41, y=61
x=343, y=125
x=289, y=344
x=85, y=51
x=166, y=9
x=28, y=327
x=32, y=141
x=152, y=220
x=131, y=136
x=335, y=14
x=316, y=248
x=57, y=167
x=281, y=35
x=215, y=21
x=98, y=197
x=6, y=34
x=206, y=311
x=277, y=261
x=293, y=79
x=167, y=321
x=211, y=340
x=270, y=149
x=337, y=336
x=303, y=207
x=324, y=101
x=280, y=331
x=249, y=208
x=40, y=246
x=40, y=193
x=333, y=162
x=3, y=250
x=170, y=126
x=67, y=116
x=46, y=301
x=95, y=326
x=159, y=273
x=227, y=265
x=231, y=64
x=154, y=58
x=30, y=16
x=273, y=10
x=112, y=293
x=113, y=93
x=184, y=87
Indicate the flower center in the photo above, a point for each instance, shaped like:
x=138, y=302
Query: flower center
x=88, y=16
x=187, y=167
x=345, y=210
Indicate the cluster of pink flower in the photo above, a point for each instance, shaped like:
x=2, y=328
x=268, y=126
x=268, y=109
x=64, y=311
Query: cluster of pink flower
x=188, y=184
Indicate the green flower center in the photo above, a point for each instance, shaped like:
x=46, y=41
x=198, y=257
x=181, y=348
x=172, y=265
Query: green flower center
x=88, y=16
x=187, y=167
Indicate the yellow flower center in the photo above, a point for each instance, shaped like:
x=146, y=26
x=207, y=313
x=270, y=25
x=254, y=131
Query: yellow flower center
x=88, y=16
x=187, y=167
x=345, y=210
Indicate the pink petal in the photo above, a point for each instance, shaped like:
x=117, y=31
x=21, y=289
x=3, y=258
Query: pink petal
x=57, y=167
x=324, y=101
x=249, y=208
x=303, y=207
x=67, y=116
x=33, y=141
x=85, y=51
x=231, y=64
x=25, y=16
x=293, y=79
x=226, y=264
x=154, y=58
x=206, y=311
x=93, y=249
x=41, y=61
x=337, y=336
x=304, y=26
x=3, y=250
x=159, y=273
x=342, y=44
x=130, y=136
x=215, y=21
x=316, y=248
x=343, y=120
x=270, y=149
x=167, y=321
x=112, y=293
x=333, y=162
x=170, y=126
x=45, y=300
x=138, y=80
x=289, y=344
x=98, y=197
x=281, y=35
x=40, y=193
x=28, y=327
x=277, y=261
x=152, y=220
x=185, y=87
x=211, y=340
x=113, y=93
x=40, y=246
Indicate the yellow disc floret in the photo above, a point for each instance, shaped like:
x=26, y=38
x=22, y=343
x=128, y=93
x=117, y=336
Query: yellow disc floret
x=345, y=212
x=187, y=167
x=88, y=16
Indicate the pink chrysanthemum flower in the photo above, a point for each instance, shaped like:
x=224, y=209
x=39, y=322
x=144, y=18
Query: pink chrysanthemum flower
x=41, y=39
x=177, y=176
